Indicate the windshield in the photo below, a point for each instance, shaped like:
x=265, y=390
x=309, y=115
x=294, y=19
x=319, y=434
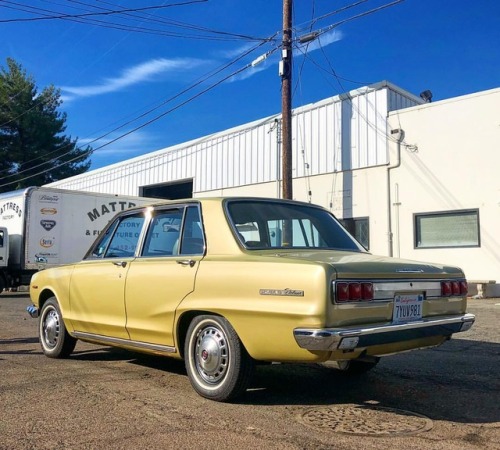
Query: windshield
x=273, y=224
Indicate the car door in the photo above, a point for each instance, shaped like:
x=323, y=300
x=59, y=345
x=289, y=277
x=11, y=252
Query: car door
x=164, y=274
x=97, y=304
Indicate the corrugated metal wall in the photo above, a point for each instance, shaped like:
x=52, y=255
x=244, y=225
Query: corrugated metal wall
x=340, y=133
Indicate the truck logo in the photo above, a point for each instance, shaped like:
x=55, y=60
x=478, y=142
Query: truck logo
x=46, y=242
x=49, y=198
x=48, y=211
x=48, y=224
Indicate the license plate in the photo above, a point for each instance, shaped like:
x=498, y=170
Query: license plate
x=407, y=308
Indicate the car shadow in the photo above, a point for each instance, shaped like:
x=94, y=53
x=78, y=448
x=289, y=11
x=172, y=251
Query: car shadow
x=456, y=382
x=140, y=359
x=28, y=340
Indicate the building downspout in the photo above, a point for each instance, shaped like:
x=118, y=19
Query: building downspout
x=398, y=135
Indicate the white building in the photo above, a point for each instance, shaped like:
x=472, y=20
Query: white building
x=410, y=179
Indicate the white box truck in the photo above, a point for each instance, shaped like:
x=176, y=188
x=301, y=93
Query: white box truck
x=45, y=227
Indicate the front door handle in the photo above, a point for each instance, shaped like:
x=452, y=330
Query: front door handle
x=187, y=262
x=120, y=263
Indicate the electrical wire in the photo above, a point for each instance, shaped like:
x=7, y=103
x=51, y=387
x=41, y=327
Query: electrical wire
x=310, y=24
x=74, y=16
x=188, y=100
x=163, y=103
x=357, y=16
x=86, y=18
x=152, y=18
x=154, y=119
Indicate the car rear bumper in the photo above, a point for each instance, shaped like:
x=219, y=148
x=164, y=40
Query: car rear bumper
x=352, y=338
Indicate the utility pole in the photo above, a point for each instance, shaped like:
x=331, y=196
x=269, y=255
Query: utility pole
x=286, y=101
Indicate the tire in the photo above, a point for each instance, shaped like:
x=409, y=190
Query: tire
x=357, y=367
x=2, y=283
x=54, y=338
x=218, y=366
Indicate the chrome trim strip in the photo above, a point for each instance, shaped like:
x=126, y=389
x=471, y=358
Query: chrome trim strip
x=328, y=339
x=125, y=342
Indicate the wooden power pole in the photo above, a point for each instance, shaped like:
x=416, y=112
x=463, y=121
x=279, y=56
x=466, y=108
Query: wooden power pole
x=286, y=101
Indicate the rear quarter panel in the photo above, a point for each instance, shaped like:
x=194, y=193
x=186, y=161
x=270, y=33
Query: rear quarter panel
x=251, y=292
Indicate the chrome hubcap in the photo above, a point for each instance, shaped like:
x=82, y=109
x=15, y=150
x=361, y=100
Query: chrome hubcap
x=51, y=328
x=211, y=354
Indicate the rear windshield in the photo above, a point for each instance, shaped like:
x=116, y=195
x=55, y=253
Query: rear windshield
x=267, y=224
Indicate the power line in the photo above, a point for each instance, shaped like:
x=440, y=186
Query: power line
x=357, y=16
x=186, y=101
x=154, y=119
x=138, y=127
x=314, y=20
x=102, y=13
x=87, y=18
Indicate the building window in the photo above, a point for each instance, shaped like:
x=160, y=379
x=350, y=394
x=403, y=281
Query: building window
x=359, y=228
x=447, y=229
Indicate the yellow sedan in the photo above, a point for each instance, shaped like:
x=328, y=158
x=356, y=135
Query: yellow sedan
x=224, y=283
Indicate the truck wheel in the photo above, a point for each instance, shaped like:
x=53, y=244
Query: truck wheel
x=2, y=283
x=54, y=339
x=218, y=365
x=357, y=367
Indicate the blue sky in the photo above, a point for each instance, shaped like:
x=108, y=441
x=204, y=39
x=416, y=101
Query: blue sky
x=166, y=65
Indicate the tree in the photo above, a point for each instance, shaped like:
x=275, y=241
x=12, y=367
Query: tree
x=33, y=148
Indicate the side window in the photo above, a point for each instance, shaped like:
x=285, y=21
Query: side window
x=1, y=238
x=120, y=240
x=163, y=234
x=192, y=233
x=359, y=228
x=250, y=233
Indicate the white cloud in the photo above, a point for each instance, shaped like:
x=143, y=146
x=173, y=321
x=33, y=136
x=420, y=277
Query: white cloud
x=229, y=54
x=140, y=73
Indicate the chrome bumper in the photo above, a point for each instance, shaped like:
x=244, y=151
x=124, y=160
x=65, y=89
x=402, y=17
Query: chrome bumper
x=329, y=339
x=33, y=311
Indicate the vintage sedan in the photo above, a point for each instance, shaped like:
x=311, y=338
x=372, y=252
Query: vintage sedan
x=227, y=283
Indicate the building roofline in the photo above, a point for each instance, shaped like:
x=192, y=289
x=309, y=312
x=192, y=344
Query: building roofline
x=445, y=101
x=179, y=147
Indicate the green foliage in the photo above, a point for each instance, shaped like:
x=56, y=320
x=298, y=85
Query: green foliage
x=33, y=148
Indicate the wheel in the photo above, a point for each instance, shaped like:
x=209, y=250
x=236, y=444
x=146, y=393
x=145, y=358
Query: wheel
x=2, y=283
x=357, y=367
x=218, y=366
x=54, y=339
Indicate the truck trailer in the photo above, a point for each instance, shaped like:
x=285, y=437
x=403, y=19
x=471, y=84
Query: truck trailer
x=45, y=227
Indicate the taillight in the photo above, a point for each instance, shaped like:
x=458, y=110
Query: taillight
x=445, y=288
x=353, y=291
x=453, y=288
x=342, y=292
x=367, y=291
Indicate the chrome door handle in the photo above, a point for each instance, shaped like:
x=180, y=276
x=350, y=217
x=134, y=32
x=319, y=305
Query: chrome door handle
x=187, y=262
x=120, y=263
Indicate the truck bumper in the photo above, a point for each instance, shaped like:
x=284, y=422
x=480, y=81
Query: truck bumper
x=330, y=339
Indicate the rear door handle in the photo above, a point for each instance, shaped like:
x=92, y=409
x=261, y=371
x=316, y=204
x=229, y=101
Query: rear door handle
x=120, y=263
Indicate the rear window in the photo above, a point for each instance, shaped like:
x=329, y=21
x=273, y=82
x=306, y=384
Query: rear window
x=266, y=224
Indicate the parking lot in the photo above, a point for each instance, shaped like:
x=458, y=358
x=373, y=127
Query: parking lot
x=442, y=398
